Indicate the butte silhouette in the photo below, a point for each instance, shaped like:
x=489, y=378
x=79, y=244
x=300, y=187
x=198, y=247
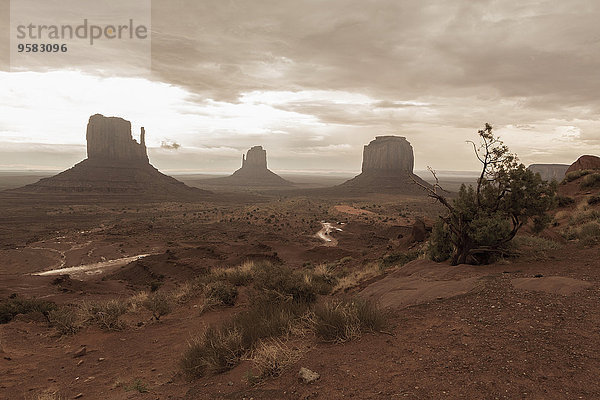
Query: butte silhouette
x=253, y=173
x=116, y=164
x=387, y=166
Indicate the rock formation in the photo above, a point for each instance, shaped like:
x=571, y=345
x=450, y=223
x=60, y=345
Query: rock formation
x=387, y=154
x=109, y=139
x=387, y=166
x=116, y=164
x=254, y=172
x=549, y=172
x=585, y=162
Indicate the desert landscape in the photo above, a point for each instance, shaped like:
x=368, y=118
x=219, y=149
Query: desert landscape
x=120, y=282
x=299, y=200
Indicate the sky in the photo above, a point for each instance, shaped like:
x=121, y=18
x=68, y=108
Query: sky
x=312, y=81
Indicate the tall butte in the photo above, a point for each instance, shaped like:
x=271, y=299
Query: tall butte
x=387, y=166
x=254, y=172
x=116, y=164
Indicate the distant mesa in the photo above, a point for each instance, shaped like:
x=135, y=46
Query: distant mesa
x=550, y=172
x=585, y=162
x=254, y=172
x=387, y=166
x=116, y=164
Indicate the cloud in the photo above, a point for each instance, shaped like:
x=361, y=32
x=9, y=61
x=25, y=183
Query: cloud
x=169, y=144
x=299, y=76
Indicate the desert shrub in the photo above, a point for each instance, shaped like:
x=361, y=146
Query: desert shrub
x=137, y=385
x=321, y=279
x=593, y=200
x=573, y=175
x=355, y=278
x=271, y=358
x=107, y=314
x=10, y=308
x=223, y=292
x=159, y=304
x=341, y=321
x=217, y=350
x=281, y=284
x=564, y=201
x=440, y=246
x=398, y=259
x=590, y=180
x=66, y=320
x=589, y=233
x=482, y=219
x=584, y=215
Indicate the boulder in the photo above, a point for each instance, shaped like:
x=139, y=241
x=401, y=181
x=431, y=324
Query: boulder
x=585, y=162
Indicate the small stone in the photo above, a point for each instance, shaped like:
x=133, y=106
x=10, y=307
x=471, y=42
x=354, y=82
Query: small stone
x=308, y=376
x=230, y=383
x=81, y=352
x=101, y=359
x=80, y=362
x=78, y=396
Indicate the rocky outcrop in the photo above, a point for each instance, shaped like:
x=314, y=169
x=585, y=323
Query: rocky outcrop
x=585, y=162
x=388, y=163
x=109, y=139
x=256, y=158
x=549, y=172
x=254, y=172
x=116, y=164
x=388, y=153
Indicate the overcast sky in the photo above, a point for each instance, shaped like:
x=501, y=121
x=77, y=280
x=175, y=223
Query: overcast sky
x=314, y=81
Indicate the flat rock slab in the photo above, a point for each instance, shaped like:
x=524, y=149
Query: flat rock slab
x=417, y=282
x=551, y=284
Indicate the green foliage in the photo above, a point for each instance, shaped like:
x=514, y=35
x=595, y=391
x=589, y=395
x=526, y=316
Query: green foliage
x=10, y=308
x=590, y=181
x=398, y=259
x=564, y=201
x=573, y=175
x=440, y=245
x=138, y=386
x=482, y=219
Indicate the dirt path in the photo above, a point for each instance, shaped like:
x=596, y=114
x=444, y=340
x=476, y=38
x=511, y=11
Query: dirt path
x=325, y=234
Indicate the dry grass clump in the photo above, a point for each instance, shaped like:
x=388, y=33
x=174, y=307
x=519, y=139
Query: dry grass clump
x=341, y=321
x=237, y=276
x=355, y=278
x=533, y=246
x=67, y=320
x=105, y=314
x=591, y=180
x=47, y=394
x=159, y=304
x=11, y=307
x=217, y=350
x=271, y=357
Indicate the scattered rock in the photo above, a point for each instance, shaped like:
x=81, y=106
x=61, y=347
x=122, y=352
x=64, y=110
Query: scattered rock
x=78, y=396
x=307, y=376
x=81, y=352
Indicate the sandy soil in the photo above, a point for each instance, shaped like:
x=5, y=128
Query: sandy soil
x=523, y=328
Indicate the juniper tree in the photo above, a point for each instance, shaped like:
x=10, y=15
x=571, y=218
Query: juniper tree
x=481, y=220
